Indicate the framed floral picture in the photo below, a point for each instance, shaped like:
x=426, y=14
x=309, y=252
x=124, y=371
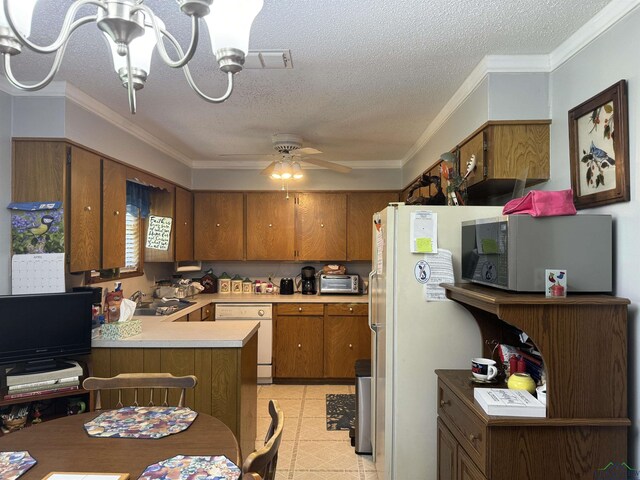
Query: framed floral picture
x=599, y=148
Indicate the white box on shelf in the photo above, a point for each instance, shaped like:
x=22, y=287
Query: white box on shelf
x=509, y=403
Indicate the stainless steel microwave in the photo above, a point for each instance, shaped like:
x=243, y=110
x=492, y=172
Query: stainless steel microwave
x=512, y=252
x=344, y=284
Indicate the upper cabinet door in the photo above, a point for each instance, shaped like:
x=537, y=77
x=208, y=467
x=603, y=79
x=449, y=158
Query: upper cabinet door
x=360, y=210
x=84, y=227
x=39, y=171
x=321, y=226
x=184, y=225
x=114, y=209
x=475, y=146
x=270, y=226
x=219, y=225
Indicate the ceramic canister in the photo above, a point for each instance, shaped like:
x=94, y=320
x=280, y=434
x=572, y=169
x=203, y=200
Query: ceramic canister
x=522, y=381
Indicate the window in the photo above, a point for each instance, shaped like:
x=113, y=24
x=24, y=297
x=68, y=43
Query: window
x=133, y=242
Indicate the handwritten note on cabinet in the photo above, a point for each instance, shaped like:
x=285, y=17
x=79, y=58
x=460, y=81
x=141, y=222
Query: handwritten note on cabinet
x=159, y=232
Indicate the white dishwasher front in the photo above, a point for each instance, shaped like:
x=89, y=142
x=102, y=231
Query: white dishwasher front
x=261, y=312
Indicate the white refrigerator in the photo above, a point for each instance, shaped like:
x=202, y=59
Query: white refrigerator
x=412, y=337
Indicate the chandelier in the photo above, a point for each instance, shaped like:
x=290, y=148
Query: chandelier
x=133, y=31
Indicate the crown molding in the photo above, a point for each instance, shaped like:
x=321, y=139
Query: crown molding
x=546, y=63
x=54, y=89
x=590, y=31
x=90, y=104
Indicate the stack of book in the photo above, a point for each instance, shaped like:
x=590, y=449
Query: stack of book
x=42, y=383
x=510, y=403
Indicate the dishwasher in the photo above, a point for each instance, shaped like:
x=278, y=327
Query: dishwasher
x=261, y=312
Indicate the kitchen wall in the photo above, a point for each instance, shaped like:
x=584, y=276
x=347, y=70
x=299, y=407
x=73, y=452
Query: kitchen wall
x=5, y=192
x=598, y=66
x=314, y=179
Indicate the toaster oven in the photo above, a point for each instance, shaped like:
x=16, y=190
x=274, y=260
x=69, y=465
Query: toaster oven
x=339, y=284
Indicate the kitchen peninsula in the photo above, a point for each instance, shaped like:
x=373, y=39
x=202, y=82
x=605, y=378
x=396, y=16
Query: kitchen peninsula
x=222, y=355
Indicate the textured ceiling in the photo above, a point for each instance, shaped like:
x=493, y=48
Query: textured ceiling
x=368, y=78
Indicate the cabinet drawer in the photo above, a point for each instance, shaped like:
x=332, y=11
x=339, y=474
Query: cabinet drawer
x=347, y=309
x=300, y=309
x=468, y=429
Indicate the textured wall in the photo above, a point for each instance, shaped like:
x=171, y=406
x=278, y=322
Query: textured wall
x=5, y=193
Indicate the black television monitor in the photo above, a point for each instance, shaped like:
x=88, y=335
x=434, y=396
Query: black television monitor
x=36, y=331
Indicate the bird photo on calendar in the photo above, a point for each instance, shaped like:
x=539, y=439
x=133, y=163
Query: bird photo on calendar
x=596, y=133
x=36, y=230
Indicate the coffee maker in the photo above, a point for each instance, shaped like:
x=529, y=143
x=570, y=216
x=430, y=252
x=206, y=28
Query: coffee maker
x=308, y=280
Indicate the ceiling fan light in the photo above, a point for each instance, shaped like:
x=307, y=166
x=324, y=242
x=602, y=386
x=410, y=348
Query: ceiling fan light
x=229, y=23
x=277, y=171
x=21, y=14
x=287, y=171
x=297, y=171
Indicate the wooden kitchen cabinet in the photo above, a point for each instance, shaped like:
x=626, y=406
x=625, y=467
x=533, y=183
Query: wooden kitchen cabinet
x=321, y=226
x=360, y=209
x=184, y=225
x=505, y=151
x=270, y=226
x=203, y=314
x=114, y=209
x=347, y=338
x=219, y=225
x=447, y=453
x=298, y=349
x=583, y=430
x=58, y=171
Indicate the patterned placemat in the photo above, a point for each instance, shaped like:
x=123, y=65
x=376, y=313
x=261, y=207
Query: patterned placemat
x=341, y=411
x=186, y=467
x=141, y=422
x=14, y=464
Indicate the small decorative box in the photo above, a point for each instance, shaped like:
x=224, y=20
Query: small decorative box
x=118, y=330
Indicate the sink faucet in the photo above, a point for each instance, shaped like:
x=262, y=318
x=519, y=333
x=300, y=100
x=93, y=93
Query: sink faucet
x=137, y=297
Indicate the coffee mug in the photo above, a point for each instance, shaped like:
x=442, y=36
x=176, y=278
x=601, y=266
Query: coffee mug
x=484, y=368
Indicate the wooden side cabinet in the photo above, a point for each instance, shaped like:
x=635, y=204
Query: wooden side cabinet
x=219, y=221
x=506, y=151
x=270, y=226
x=184, y=225
x=347, y=338
x=583, y=431
x=360, y=209
x=298, y=346
x=114, y=213
x=321, y=226
x=447, y=453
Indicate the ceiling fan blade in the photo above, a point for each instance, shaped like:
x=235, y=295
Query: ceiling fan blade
x=269, y=169
x=307, y=151
x=326, y=164
x=245, y=154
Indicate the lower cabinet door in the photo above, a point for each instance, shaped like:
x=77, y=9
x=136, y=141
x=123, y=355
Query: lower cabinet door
x=467, y=469
x=447, y=453
x=298, y=352
x=346, y=339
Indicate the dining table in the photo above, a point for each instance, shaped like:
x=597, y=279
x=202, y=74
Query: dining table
x=63, y=445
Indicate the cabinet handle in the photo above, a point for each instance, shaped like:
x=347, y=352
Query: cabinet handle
x=473, y=437
x=88, y=208
x=117, y=212
x=270, y=225
x=444, y=403
x=351, y=309
x=322, y=225
x=185, y=223
x=217, y=224
x=299, y=345
x=299, y=309
x=351, y=346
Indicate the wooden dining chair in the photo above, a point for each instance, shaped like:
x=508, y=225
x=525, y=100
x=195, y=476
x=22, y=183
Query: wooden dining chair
x=140, y=381
x=264, y=460
x=251, y=476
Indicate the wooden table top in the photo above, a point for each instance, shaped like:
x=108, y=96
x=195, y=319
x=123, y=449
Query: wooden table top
x=62, y=445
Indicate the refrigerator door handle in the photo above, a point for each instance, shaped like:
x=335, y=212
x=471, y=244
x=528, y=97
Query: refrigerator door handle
x=370, y=313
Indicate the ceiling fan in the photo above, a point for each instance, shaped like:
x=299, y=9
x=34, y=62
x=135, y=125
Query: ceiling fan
x=290, y=152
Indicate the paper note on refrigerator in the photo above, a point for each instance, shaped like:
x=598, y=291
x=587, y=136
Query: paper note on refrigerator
x=441, y=265
x=40, y=273
x=424, y=232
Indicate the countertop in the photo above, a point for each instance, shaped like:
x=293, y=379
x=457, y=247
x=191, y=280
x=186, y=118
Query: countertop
x=161, y=332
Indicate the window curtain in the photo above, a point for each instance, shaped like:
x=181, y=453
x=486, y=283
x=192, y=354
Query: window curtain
x=138, y=199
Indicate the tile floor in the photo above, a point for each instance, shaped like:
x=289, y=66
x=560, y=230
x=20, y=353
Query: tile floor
x=309, y=451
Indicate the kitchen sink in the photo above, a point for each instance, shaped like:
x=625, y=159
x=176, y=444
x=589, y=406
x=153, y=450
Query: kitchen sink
x=162, y=308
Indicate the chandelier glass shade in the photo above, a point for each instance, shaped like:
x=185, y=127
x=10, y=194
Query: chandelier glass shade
x=134, y=32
